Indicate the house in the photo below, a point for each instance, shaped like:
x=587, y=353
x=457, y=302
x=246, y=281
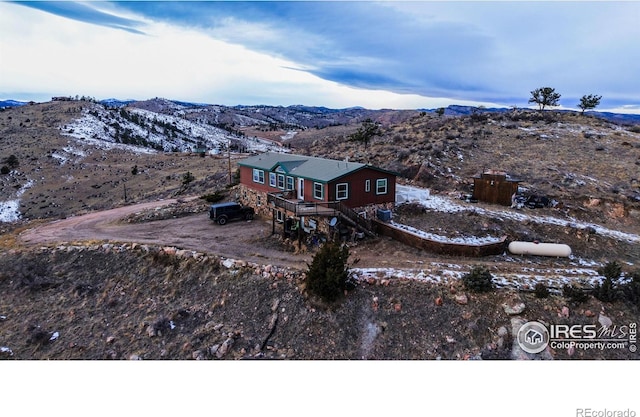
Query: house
x=305, y=188
x=495, y=187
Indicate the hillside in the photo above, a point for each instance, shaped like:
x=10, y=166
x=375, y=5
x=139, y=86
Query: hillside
x=129, y=301
x=589, y=166
x=115, y=298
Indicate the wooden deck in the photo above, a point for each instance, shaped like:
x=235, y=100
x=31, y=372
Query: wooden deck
x=326, y=209
x=303, y=208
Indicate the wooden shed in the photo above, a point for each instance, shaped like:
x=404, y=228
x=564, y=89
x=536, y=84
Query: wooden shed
x=495, y=187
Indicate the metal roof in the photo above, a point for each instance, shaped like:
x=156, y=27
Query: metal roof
x=310, y=167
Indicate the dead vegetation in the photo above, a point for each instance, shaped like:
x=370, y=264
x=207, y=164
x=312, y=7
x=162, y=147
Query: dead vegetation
x=110, y=303
x=113, y=301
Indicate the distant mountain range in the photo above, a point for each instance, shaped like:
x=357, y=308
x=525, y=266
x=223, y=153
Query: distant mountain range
x=304, y=116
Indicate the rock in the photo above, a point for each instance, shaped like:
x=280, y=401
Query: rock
x=461, y=299
x=513, y=309
x=397, y=307
x=439, y=301
x=224, y=348
x=450, y=339
x=564, y=312
x=228, y=263
x=135, y=357
x=502, y=331
x=604, y=320
x=571, y=350
x=111, y=339
x=169, y=250
x=198, y=355
x=589, y=313
x=5, y=351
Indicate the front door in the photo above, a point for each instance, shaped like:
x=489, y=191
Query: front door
x=301, y=189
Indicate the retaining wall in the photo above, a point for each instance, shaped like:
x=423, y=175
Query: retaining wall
x=457, y=249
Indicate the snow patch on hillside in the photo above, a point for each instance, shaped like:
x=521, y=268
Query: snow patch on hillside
x=447, y=205
x=139, y=130
x=10, y=210
x=554, y=279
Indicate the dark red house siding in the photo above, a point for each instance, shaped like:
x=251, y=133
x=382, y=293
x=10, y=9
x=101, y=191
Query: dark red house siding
x=357, y=194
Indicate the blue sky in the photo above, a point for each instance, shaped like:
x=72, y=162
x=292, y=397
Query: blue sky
x=389, y=54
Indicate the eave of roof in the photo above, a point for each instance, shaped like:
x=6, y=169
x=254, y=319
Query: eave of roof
x=309, y=167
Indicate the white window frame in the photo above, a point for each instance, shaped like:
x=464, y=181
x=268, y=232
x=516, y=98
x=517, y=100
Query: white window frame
x=315, y=190
x=279, y=216
x=272, y=179
x=258, y=176
x=290, y=183
x=382, y=183
x=281, y=181
x=345, y=191
x=367, y=186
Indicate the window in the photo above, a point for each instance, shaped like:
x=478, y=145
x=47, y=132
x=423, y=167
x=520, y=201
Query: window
x=381, y=186
x=367, y=186
x=258, y=176
x=272, y=179
x=281, y=181
x=279, y=216
x=342, y=191
x=289, y=183
x=318, y=191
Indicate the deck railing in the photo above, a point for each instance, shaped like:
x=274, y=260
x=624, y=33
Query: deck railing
x=324, y=208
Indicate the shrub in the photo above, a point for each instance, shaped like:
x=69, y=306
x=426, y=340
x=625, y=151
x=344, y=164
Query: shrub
x=608, y=290
x=478, y=280
x=187, y=178
x=541, y=290
x=213, y=198
x=328, y=275
x=574, y=294
x=4, y=170
x=12, y=162
x=631, y=290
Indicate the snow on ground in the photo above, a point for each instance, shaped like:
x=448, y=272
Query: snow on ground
x=90, y=130
x=583, y=273
x=10, y=210
x=554, y=278
x=289, y=135
x=445, y=204
x=98, y=125
x=464, y=240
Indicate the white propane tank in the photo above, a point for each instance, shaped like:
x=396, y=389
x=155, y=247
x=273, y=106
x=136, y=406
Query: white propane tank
x=540, y=249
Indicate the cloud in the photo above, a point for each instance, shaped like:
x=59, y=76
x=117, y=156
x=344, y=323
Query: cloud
x=85, y=13
x=473, y=52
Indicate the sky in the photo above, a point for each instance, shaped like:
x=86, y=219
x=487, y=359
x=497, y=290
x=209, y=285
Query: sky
x=388, y=54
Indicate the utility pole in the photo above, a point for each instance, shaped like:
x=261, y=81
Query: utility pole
x=229, y=158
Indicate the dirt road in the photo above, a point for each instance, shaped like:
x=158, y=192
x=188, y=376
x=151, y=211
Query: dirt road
x=238, y=240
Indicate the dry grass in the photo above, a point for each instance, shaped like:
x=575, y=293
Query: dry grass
x=70, y=177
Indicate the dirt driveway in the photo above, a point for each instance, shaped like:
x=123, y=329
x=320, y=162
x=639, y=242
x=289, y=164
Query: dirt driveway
x=238, y=240
x=250, y=241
